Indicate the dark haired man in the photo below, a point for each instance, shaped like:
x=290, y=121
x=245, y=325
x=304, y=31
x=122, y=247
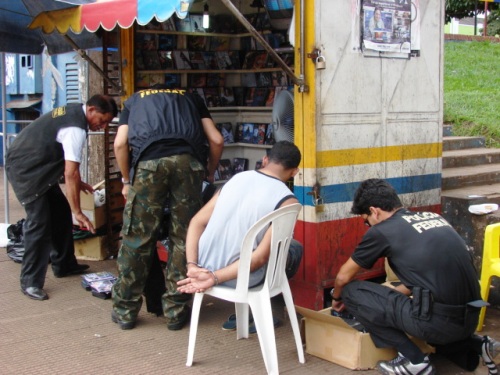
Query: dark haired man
x=435, y=268
x=216, y=231
x=174, y=145
x=48, y=148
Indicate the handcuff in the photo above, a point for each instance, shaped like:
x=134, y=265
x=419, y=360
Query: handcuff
x=333, y=298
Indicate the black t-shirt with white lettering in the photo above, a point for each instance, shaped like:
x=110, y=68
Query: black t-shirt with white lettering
x=168, y=146
x=423, y=250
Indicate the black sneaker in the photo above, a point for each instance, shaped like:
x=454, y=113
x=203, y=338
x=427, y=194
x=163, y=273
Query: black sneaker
x=122, y=323
x=180, y=321
x=489, y=350
x=402, y=366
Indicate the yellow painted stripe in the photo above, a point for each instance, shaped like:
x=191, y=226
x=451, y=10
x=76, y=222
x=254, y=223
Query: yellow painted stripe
x=336, y=158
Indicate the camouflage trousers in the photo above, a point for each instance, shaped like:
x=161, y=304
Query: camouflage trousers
x=177, y=179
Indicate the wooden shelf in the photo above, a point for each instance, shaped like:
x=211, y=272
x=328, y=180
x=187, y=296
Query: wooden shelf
x=241, y=109
x=193, y=33
x=246, y=145
x=204, y=71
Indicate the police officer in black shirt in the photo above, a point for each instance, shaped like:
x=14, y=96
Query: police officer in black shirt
x=436, y=271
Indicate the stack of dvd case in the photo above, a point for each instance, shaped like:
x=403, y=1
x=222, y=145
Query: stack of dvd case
x=99, y=283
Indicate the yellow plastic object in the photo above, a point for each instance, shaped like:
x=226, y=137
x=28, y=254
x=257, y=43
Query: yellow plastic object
x=490, y=266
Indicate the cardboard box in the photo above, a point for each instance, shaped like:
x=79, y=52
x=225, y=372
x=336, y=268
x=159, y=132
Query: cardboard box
x=96, y=215
x=92, y=248
x=330, y=338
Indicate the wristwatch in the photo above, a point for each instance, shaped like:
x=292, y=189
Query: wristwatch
x=333, y=298
x=125, y=182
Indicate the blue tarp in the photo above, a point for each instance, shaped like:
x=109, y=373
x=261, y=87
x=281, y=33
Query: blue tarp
x=15, y=37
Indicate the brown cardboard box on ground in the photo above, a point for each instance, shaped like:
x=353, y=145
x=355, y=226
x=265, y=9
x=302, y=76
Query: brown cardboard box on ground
x=96, y=215
x=92, y=248
x=330, y=338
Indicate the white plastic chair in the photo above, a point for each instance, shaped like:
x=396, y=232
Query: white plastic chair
x=259, y=297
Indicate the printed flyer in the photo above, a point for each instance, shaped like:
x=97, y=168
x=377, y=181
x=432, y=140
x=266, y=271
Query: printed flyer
x=386, y=25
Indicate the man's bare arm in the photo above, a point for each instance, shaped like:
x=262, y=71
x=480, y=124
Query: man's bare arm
x=216, y=144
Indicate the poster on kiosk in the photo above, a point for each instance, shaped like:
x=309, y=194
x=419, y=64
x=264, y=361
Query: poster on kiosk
x=387, y=26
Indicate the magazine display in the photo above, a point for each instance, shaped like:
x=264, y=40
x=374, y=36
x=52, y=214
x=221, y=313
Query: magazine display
x=240, y=165
x=166, y=56
x=225, y=169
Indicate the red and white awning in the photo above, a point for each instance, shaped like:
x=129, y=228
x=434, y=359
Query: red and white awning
x=108, y=14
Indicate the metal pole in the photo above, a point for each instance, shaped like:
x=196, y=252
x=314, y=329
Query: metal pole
x=4, y=136
x=303, y=87
x=485, y=27
x=296, y=80
x=475, y=17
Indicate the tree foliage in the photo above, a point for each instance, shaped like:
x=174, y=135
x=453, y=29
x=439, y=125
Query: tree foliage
x=493, y=28
x=465, y=8
x=459, y=9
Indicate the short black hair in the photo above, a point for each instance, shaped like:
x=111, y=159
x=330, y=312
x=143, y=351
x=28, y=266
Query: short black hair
x=103, y=104
x=375, y=192
x=286, y=154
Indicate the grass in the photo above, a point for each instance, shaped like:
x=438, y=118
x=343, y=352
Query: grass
x=472, y=89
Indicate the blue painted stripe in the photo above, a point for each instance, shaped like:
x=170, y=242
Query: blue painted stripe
x=345, y=192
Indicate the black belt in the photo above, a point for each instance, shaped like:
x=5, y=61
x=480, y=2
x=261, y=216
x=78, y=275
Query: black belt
x=424, y=306
x=457, y=311
x=453, y=311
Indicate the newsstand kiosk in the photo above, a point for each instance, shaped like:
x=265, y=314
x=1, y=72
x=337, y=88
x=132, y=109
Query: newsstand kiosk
x=373, y=109
x=368, y=102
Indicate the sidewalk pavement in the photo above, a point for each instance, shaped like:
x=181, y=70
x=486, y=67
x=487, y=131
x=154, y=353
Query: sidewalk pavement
x=72, y=333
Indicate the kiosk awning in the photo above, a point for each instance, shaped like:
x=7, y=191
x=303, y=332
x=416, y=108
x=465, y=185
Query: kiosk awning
x=15, y=37
x=90, y=15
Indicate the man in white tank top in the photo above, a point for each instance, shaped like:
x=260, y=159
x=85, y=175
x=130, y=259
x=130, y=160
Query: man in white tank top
x=215, y=233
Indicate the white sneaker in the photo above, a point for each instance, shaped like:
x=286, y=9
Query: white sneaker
x=402, y=366
x=489, y=350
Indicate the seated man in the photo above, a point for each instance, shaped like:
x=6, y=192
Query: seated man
x=433, y=264
x=215, y=233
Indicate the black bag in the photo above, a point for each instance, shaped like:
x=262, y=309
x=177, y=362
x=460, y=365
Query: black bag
x=15, y=251
x=15, y=231
x=15, y=246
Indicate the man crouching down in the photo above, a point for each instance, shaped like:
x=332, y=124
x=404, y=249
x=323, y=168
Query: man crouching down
x=436, y=271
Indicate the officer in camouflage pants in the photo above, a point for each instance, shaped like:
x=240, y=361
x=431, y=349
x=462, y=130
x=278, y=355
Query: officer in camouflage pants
x=168, y=142
x=176, y=178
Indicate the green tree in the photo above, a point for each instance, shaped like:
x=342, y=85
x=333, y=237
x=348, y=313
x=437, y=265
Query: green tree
x=494, y=23
x=465, y=8
x=460, y=9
